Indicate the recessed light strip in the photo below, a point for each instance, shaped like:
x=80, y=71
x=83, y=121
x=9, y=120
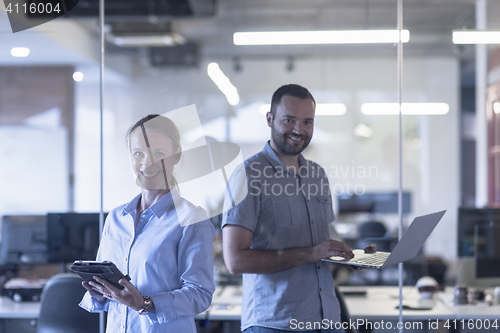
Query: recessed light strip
x=406, y=108
x=320, y=37
x=476, y=37
x=322, y=109
x=145, y=39
x=223, y=83
x=20, y=52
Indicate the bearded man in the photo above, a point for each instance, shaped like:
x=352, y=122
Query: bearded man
x=278, y=234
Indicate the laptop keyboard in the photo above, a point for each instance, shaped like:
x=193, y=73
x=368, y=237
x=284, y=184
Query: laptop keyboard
x=376, y=259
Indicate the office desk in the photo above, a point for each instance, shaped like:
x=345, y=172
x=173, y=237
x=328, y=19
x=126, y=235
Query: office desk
x=468, y=311
x=18, y=317
x=379, y=304
x=18, y=310
x=31, y=310
x=226, y=304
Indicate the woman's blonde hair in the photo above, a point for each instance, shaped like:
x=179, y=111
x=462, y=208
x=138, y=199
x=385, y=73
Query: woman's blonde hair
x=161, y=124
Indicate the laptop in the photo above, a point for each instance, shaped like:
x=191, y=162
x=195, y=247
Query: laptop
x=406, y=249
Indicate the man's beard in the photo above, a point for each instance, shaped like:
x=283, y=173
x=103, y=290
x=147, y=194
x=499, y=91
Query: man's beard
x=284, y=146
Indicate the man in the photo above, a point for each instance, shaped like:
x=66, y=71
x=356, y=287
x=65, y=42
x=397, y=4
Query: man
x=278, y=234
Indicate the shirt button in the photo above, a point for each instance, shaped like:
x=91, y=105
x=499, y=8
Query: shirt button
x=319, y=266
x=126, y=259
x=312, y=221
x=320, y=289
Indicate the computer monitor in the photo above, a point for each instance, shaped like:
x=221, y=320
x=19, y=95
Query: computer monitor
x=374, y=202
x=23, y=240
x=468, y=218
x=487, y=249
x=72, y=236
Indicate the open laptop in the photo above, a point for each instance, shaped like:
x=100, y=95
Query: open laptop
x=406, y=249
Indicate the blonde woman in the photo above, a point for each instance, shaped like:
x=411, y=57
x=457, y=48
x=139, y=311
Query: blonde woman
x=162, y=241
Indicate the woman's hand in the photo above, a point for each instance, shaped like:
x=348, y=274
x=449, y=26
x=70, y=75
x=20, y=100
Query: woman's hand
x=100, y=298
x=129, y=295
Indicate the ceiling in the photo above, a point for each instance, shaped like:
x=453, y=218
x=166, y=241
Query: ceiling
x=430, y=23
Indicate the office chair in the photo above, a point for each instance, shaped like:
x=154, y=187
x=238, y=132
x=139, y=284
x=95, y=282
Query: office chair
x=374, y=232
x=372, y=229
x=344, y=313
x=345, y=318
x=59, y=310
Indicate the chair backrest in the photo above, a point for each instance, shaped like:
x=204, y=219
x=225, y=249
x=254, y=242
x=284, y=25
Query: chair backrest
x=59, y=310
x=374, y=232
x=344, y=312
x=372, y=229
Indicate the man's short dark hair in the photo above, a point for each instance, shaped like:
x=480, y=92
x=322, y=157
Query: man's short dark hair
x=293, y=90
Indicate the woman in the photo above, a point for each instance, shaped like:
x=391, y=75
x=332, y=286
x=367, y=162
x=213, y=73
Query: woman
x=163, y=242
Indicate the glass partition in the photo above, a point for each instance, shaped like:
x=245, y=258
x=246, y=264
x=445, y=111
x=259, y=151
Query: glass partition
x=157, y=59
x=41, y=64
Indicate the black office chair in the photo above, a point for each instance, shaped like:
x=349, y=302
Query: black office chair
x=344, y=313
x=372, y=229
x=374, y=232
x=345, y=318
x=59, y=310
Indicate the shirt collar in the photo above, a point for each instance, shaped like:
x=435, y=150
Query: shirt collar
x=275, y=161
x=165, y=204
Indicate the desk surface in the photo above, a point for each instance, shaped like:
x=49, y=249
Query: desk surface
x=469, y=311
x=378, y=304
x=18, y=310
x=382, y=303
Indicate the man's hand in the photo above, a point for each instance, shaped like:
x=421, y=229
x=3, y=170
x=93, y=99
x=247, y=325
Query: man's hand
x=129, y=295
x=330, y=248
x=372, y=248
x=240, y=258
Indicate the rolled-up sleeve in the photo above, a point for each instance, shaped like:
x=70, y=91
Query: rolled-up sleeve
x=90, y=304
x=245, y=213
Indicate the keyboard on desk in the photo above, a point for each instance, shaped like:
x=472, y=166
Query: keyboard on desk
x=376, y=259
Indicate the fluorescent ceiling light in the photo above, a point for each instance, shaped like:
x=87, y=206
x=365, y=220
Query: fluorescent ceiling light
x=322, y=109
x=224, y=84
x=330, y=109
x=496, y=107
x=145, y=39
x=78, y=76
x=320, y=37
x=406, y=108
x=363, y=131
x=20, y=52
x=476, y=37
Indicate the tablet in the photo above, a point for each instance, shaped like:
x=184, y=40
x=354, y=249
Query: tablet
x=103, y=269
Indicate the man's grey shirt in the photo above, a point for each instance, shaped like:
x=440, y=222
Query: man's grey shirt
x=284, y=210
